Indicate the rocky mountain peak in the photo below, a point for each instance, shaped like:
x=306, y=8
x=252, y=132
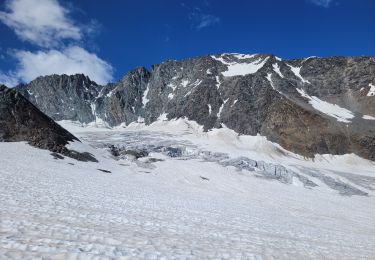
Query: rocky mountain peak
x=137, y=76
x=310, y=105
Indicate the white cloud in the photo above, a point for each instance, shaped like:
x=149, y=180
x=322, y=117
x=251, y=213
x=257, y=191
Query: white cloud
x=206, y=20
x=68, y=61
x=323, y=3
x=43, y=22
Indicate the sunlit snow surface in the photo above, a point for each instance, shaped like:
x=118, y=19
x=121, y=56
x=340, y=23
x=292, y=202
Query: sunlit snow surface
x=185, y=207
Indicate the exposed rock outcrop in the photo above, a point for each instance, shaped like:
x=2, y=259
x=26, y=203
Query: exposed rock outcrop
x=22, y=121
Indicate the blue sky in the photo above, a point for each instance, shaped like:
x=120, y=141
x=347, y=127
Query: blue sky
x=105, y=39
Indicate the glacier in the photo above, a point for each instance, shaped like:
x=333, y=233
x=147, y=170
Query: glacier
x=195, y=195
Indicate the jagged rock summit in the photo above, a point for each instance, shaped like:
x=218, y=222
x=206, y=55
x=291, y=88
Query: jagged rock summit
x=22, y=121
x=312, y=105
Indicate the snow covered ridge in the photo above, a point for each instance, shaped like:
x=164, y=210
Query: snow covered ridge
x=241, y=69
x=333, y=110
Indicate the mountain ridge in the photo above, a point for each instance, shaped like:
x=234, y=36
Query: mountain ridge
x=311, y=105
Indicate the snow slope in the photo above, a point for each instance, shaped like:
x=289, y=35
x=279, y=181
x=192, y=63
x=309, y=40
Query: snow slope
x=188, y=206
x=341, y=114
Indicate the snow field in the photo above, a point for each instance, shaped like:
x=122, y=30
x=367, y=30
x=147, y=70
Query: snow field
x=178, y=208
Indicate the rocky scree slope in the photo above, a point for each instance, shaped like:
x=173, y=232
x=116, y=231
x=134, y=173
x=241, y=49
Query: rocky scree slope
x=308, y=106
x=22, y=121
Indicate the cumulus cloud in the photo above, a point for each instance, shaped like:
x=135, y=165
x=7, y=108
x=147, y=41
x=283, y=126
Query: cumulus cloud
x=69, y=61
x=44, y=22
x=323, y=3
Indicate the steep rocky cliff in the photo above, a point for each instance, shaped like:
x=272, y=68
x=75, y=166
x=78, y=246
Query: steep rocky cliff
x=312, y=105
x=63, y=97
x=22, y=121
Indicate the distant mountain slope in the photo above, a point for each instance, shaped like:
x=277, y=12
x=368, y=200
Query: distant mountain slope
x=22, y=121
x=309, y=106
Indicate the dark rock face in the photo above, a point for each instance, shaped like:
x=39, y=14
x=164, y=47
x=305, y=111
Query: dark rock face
x=122, y=102
x=63, y=97
x=22, y=121
x=309, y=106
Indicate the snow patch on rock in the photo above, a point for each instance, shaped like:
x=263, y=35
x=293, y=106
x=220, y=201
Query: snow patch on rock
x=297, y=73
x=221, y=108
x=276, y=68
x=163, y=117
x=184, y=83
x=241, y=69
x=269, y=78
x=367, y=117
x=144, y=97
x=371, y=91
x=341, y=114
x=98, y=122
x=218, y=82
